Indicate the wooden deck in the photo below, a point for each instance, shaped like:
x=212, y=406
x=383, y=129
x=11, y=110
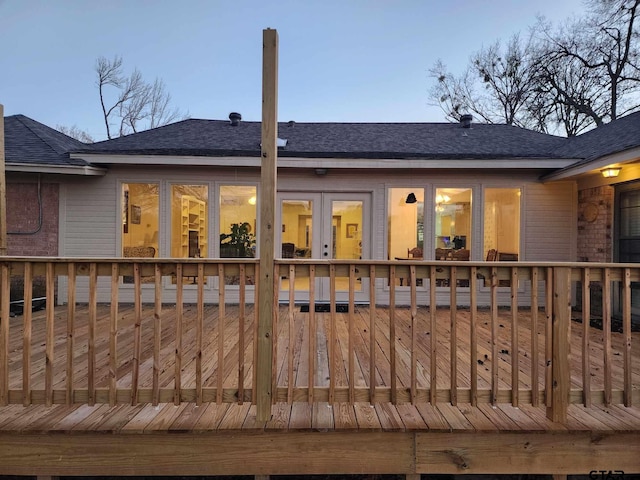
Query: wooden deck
x=222, y=435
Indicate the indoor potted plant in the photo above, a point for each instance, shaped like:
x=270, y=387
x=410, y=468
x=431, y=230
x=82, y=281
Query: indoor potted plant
x=239, y=243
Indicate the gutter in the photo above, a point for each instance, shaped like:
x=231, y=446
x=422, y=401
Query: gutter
x=84, y=170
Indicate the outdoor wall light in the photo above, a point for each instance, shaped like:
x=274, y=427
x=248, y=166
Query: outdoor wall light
x=610, y=172
x=411, y=198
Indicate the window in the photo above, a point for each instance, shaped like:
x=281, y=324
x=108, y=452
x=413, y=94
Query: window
x=237, y=221
x=405, y=222
x=140, y=225
x=452, y=224
x=189, y=222
x=502, y=224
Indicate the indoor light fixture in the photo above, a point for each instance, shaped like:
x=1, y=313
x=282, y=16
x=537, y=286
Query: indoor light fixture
x=411, y=198
x=252, y=200
x=610, y=172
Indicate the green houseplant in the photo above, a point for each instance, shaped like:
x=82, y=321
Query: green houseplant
x=239, y=243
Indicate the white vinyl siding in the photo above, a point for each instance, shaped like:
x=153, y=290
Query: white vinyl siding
x=90, y=219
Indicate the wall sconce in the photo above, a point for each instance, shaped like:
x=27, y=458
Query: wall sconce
x=321, y=171
x=252, y=200
x=610, y=172
x=411, y=198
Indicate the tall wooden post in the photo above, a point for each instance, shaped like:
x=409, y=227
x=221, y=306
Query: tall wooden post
x=561, y=342
x=3, y=190
x=268, y=187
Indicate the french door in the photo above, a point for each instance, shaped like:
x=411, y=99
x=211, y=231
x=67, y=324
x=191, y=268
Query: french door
x=324, y=226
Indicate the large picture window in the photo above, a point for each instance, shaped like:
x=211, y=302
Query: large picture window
x=189, y=221
x=140, y=225
x=502, y=224
x=453, y=224
x=237, y=221
x=405, y=222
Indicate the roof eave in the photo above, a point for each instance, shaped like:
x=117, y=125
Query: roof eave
x=580, y=167
x=355, y=161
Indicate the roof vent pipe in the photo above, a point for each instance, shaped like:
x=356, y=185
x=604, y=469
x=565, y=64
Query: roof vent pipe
x=465, y=120
x=235, y=118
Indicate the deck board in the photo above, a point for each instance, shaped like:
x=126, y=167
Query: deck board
x=236, y=415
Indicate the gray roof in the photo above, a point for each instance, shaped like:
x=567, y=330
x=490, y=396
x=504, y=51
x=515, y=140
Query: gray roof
x=31, y=142
x=617, y=136
x=338, y=140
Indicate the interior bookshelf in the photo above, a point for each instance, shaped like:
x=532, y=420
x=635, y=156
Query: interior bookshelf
x=193, y=235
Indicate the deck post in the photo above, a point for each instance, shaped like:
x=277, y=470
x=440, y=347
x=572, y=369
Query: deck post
x=3, y=190
x=561, y=342
x=268, y=186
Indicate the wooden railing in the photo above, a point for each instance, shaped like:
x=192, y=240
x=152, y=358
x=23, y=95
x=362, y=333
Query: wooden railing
x=499, y=339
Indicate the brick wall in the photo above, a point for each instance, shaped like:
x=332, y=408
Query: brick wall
x=595, y=238
x=23, y=216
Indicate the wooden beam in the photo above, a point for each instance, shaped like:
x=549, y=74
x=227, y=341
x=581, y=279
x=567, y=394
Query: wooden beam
x=561, y=342
x=3, y=190
x=268, y=187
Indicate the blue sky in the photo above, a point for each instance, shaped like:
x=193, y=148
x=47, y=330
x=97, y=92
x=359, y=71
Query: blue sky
x=348, y=60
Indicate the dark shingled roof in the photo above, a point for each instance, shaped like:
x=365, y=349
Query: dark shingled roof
x=617, y=136
x=338, y=140
x=31, y=142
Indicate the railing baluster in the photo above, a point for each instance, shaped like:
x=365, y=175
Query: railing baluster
x=433, y=363
x=137, y=331
x=312, y=331
x=515, y=351
x=27, y=313
x=177, y=390
x=241, y=321
x=157, y=334
x=586, y=323
x=473, y=307
x=5, y=297
x=256, y=315
x=274, y=342
x=494, y=335
x=51, y=293
x=113, y=335
x=331, y=346
x=221, y=320
x=291, y=353
x=414, y=333
x=548, y=349
x=351, y=352
x=392, y=333
x=535, y=384
x=453, y=311
x=606, y=332
x=71, y=320
x=199, y=326
x=91, y=353
x=372, y=333
x=626, y=328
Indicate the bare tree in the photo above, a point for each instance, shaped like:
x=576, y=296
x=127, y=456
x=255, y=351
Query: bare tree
x=496, y=87
x=133, y=104
x=602, y=50
x=76, y=132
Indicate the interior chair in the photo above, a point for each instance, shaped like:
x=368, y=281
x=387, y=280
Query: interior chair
x=414, y=252
x=461, y=255
x=492, y=255
x=288, y=250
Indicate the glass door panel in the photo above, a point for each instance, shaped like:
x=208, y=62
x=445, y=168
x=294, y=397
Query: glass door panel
x=323, y=226
x=344, y=235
